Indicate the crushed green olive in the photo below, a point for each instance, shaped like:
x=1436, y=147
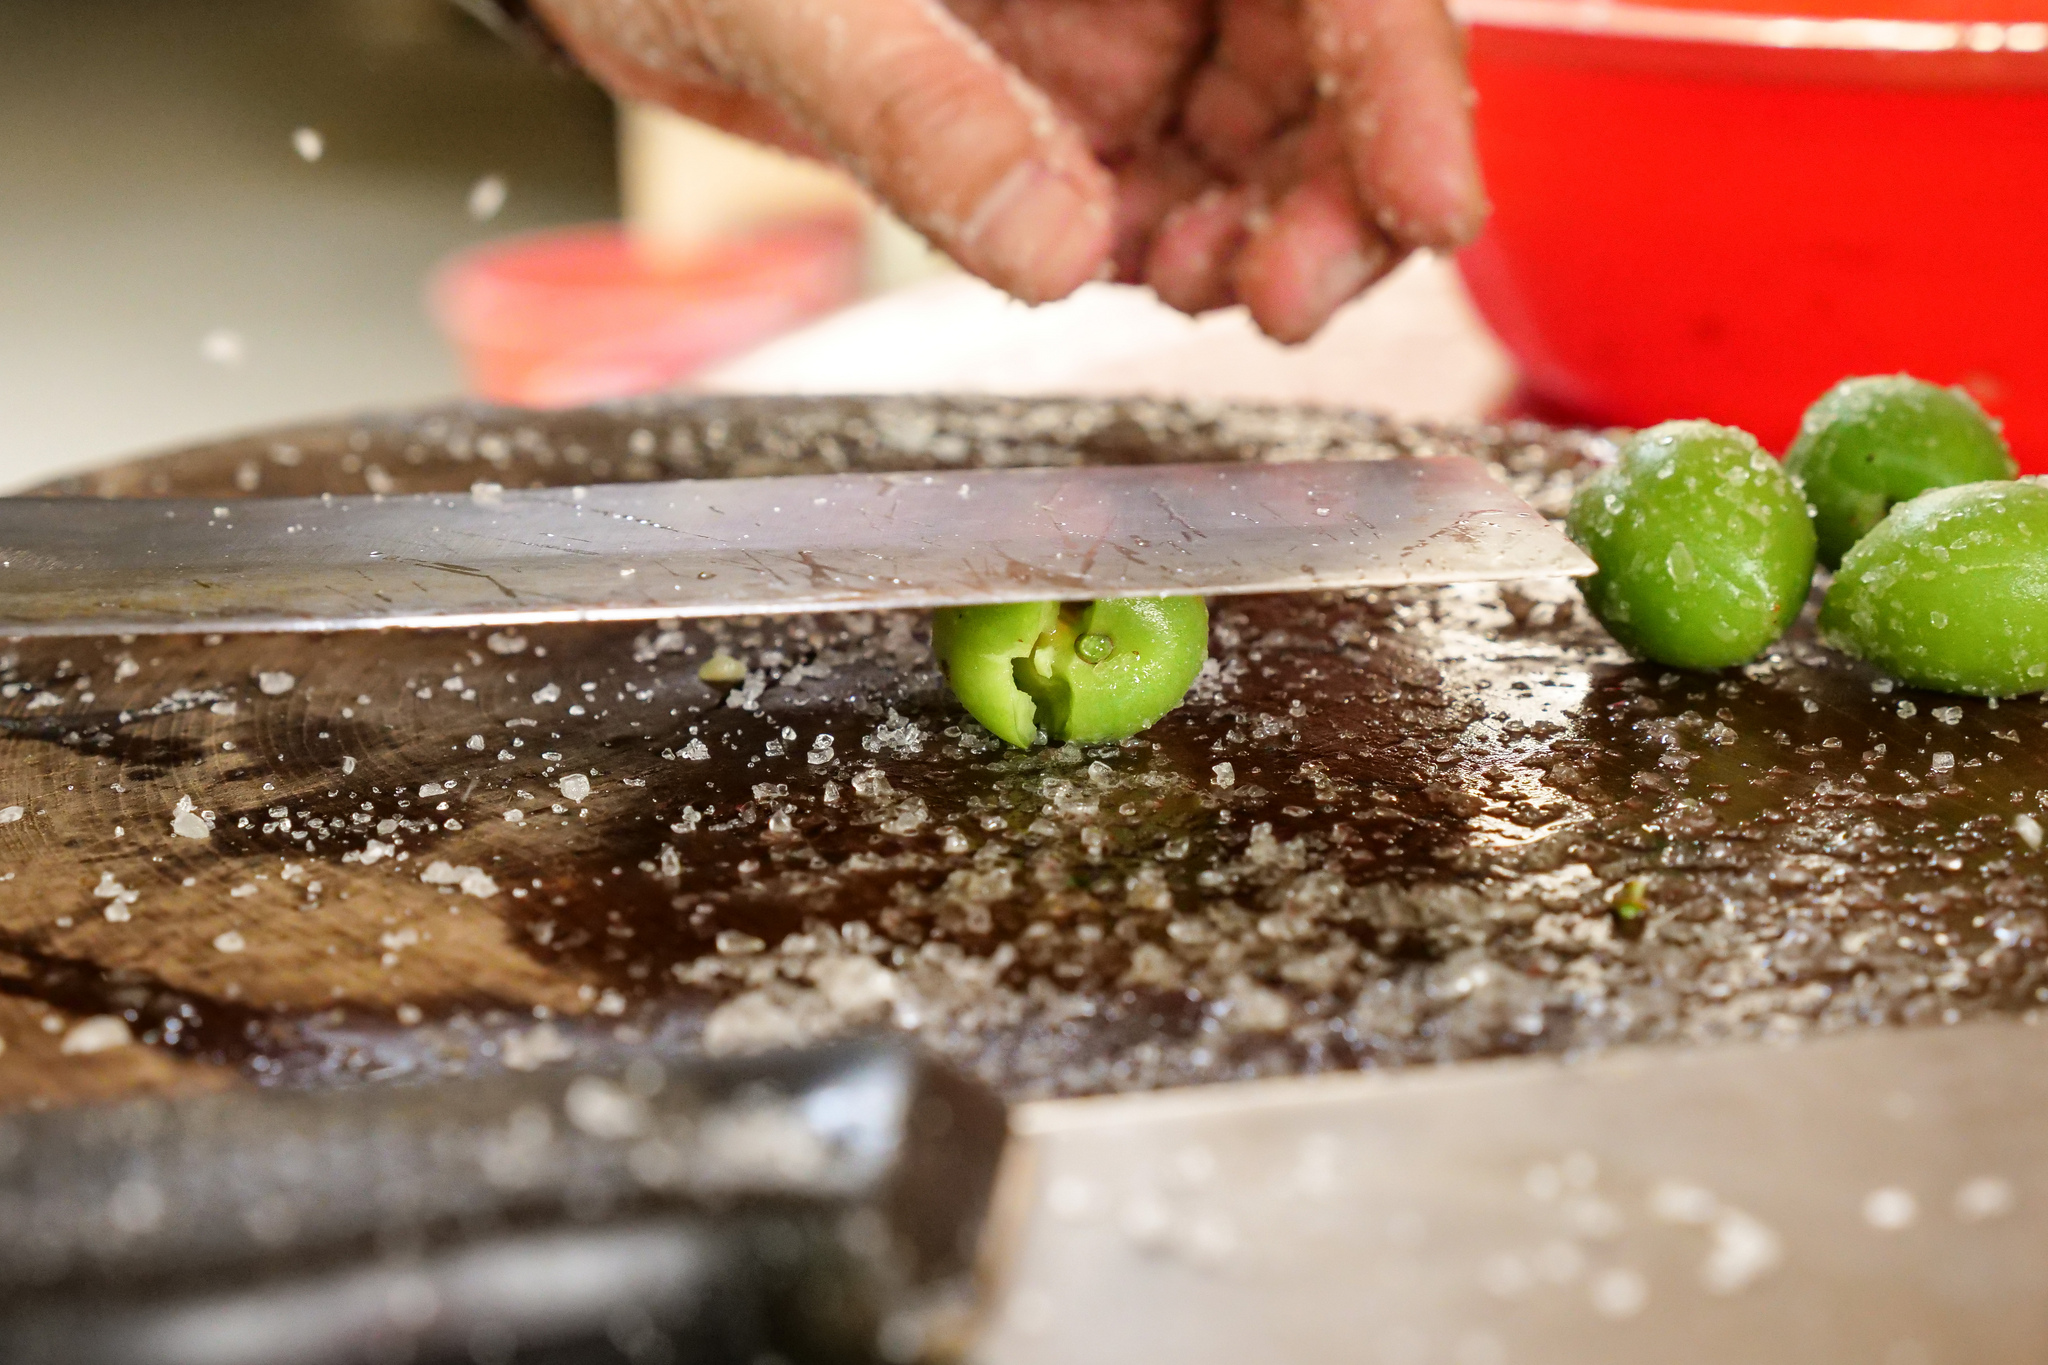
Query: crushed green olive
x=1868, y=443
x=1704, y=546
x=1950, y=592
x=1090, y=672
x=979, y=648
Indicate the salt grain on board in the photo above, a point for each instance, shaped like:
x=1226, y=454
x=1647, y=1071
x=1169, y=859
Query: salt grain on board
x=1988, y=1196
x=187, y=822
x=575, y=787
x=275, y=684
x=100, y=1033
x=117, y=897
x=373, y=851
x=1743, y=1250
x=230, y=942
x=1619, y=1293
x=1890, y=1209
x=9, y=814
x=471, y=881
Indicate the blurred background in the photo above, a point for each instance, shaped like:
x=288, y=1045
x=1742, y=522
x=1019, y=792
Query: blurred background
x=218, y=214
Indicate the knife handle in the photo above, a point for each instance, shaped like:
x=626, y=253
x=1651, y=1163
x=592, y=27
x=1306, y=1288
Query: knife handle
x=820, y=1205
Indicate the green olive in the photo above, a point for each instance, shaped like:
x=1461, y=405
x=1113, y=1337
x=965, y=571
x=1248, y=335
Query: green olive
x=1090, y=672
x=980, y=648
x=1950, y=591
x=1704, y=546
x=1868, y=443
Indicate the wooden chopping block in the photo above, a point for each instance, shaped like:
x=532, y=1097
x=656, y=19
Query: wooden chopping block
x=1386, y=828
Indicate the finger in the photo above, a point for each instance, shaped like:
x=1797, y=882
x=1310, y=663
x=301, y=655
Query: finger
x=1147, y=190
x=1228, y=119
x=911, y=102
x=1116, y=69
x=1310, y=256
x=1189, y=267
x=1261, y=40
x=742, y=115
x=1396, y=71
x=1256, y=82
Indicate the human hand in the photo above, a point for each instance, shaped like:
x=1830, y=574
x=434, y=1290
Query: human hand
x=1284, y=154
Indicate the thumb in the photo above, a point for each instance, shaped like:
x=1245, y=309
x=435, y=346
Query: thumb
x=914, y=104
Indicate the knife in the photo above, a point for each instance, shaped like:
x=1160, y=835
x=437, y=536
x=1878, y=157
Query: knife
x=1878, y=1197
x=766, y=546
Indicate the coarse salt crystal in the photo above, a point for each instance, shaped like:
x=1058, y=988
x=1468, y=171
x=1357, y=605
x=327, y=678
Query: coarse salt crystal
x=275, y=684
x=575, y=787
x=1890, y=1209
x=9, y=814
x=230, y=942
x=1987, y=1196
x=117, y=896
x=187, y=822
x=100, y=1033
x=471, y=881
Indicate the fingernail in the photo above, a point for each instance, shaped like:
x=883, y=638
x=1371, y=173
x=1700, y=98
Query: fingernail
x=1038, y=233
x=1460, y=212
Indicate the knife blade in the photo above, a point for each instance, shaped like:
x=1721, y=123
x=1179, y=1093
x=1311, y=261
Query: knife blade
x=760, y=546
x=1878, y=1197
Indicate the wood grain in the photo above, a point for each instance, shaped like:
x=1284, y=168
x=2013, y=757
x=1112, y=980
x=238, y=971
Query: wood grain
x=1428, y=805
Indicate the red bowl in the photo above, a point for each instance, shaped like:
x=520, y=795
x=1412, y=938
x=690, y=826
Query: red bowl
x=1717, y=214
x=578, y=315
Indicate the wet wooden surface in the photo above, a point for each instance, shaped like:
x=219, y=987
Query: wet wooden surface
x=1387, y=828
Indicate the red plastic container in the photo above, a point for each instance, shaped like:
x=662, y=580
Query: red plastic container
x=578, y=315
x=1714, y=214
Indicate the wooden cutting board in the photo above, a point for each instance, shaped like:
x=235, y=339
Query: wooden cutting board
x=1386, y=828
